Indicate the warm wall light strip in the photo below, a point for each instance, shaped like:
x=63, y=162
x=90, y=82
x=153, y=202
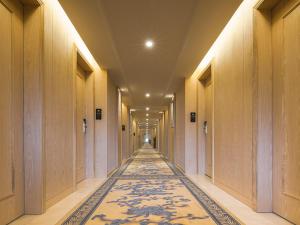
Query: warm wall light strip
x=57, y=8
x=228, y=28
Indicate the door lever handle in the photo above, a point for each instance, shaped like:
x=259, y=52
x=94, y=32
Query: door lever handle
x=205, y=127
x=84, y=125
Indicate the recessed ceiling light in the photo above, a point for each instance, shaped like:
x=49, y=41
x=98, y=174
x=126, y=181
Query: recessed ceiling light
x=147, y=95
x=161, y=112
x=147, y=119
x=147, y=114
x=149, y=44
x=147, y=108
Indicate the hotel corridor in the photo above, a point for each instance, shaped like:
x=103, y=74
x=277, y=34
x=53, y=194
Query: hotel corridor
x=147, y=189
x=149, y=112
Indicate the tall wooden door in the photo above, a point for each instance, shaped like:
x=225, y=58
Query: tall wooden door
x=11, y=111
x=124, y=142
x=208, y=128
x=81, y=126
x=286, y=109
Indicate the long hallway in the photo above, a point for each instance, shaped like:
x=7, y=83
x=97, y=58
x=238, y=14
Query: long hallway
x=147, y=189
x=169, y=112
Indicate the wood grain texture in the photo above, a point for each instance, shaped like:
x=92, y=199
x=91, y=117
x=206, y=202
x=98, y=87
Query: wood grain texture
x=101, y=79
x=209, y=134
x=112, y=126
x=58, y=106
x=33, y=109
x=90, y=134
x=11, y=113
x=191, y=154
x=179, y=131
x=233, y=108
x=200, y=133
x=205, y=111
x=6, y=102
x=125, y=133
x=262, y=116
x=286, y=105
x=166, y=133
x=80, y=129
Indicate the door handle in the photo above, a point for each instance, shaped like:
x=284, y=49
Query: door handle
x=84, y=125
x=205, y=127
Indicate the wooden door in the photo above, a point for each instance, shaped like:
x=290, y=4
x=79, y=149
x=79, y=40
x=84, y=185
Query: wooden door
x=11, y=111
x=124, y=142
x=286, y=110
x=80, y=127
x=208, y=130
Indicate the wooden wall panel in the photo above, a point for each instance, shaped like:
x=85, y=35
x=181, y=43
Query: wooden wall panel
x=112, y=126
x=200, y=133
x=101, y=135
x=58, y=106
x=33, y=109
x=233, y=104
x=90, y=135
x=125, y=134
x=6, y=103
x=190, y=128
x=262, y=115
x=11, y=111
x=179, y=130
x=50, y=107
x=166, y=133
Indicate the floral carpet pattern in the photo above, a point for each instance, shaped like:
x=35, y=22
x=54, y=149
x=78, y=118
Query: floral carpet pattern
x=148, y=190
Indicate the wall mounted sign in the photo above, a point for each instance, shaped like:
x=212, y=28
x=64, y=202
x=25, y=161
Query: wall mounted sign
x=98, y=114
x=193, y=117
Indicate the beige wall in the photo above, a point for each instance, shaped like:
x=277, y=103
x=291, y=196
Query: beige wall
x=180, y=129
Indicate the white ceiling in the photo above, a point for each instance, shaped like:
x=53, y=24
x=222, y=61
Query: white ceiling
x=115, y=32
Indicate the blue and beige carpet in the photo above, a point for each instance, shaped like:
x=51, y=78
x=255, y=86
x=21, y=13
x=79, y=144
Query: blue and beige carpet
x=148, y=190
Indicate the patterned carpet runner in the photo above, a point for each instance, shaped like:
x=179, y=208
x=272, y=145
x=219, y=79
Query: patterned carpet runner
x=148, y=190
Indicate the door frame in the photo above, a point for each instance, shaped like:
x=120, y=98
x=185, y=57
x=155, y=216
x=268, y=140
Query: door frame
x=206, y=72
x=80, y=61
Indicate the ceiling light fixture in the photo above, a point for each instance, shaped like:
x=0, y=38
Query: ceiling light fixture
x=147, y=95
x=147, y=114
x=147, y=108
x=149, y=44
